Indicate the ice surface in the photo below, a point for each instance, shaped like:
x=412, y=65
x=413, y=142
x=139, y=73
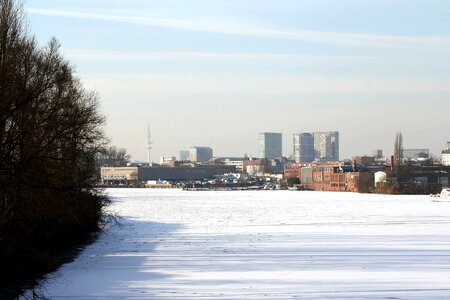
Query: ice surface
x=173, y=244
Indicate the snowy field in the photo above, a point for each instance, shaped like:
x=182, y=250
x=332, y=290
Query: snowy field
x=173, y=244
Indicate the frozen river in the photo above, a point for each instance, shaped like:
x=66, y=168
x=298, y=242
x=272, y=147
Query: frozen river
x=173, y=244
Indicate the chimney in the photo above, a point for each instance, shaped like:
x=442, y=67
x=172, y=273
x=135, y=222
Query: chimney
x=392, y=163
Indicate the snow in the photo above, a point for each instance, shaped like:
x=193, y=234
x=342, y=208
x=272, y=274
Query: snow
x=174, y=244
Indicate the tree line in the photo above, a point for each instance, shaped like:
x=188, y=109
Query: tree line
x=50, y=136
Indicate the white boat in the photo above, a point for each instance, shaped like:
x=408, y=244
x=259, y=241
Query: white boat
x=444, y=195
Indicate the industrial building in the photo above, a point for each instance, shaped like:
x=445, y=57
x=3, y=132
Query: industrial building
x=167, y=160
x=134, y=175
x=183, y=173
x=238, y=162
x=119, y=175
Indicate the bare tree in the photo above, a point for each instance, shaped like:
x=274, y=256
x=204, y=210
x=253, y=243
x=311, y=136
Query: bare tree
x=50, y=135
x=398, y=149
x=113, y=157
x=404, y=171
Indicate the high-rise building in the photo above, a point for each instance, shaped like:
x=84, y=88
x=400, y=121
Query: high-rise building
x=377, y=153
x=184, y=155
x=321, y=146
x=416, y=154
x=200, y=154
x=304, y=147
x=326, y=145
x=270, y=145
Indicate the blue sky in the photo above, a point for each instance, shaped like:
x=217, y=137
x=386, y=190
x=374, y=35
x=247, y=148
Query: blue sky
x=218, y=72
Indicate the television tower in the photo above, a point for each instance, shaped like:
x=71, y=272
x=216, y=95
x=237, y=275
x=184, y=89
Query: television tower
x=149, y=144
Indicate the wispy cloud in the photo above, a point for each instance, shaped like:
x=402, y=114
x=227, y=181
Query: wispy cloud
x=254, y=83
x=232, y=28
x=81, y=54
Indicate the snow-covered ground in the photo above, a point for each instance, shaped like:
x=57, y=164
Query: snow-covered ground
x=174, y=244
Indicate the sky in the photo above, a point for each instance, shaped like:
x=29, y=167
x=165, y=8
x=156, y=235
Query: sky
x=216, y=73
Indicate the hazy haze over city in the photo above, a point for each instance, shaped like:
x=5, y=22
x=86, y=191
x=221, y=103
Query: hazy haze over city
x=216, y=73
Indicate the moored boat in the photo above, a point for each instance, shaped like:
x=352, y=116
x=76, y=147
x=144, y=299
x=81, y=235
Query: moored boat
x=444, y=195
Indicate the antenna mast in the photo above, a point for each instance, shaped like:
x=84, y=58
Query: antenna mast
x=149, y=144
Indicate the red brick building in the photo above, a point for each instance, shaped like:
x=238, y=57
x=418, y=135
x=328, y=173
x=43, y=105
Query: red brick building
x=292, y=170
x=327, y=177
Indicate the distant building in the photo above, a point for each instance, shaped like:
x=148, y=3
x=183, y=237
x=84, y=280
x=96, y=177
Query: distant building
x=238, y=162
x=446, y=155
x=363, y=160
x=326, y=145
x=120, y=175
x=184, y=155
x=377, y=153
x=255, y=166
x=316, y=146
x=292, y=170
x=167, y=160
x=416, y=154
x=304, y=147
x=270, y=145
x=380, y=178
x=158, y=184
x=200, y=154
x=183, y=173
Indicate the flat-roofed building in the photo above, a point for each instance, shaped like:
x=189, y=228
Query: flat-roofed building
x=304, y=147
x=167, y=160
x=316, y=146
x=363, y=160
x=292, y=170
x=377, y=153
x=416, y=154
x=183, y=173
x=270, y=145
x=119, y=175
x=200, y=154
x=326, y=145
x=255, y=166
x=238, y=162
x=184, y=155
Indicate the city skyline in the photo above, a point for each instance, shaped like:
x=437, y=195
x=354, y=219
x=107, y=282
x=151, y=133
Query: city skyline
x=217, y=73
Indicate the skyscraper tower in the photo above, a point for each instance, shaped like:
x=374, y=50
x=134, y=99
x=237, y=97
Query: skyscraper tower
x=270, y=145
x=304, y=147
x=326, y=145
x=200, y=154
x=320, y=146
x=149, y=144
